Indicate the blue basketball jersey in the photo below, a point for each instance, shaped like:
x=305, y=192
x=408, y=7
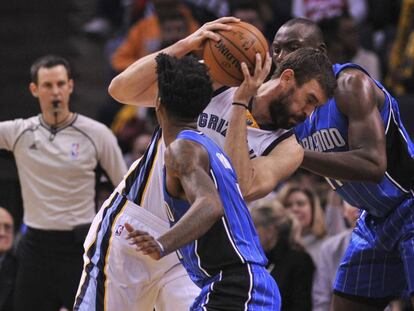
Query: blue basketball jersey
x=233, y=239
x=326, y=130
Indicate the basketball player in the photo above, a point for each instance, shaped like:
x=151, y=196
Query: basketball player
x=276, y=155
x=211, y=225
x=357, y=141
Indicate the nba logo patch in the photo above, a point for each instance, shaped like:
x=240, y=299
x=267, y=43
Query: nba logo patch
x=119, y=230
x=74, y=153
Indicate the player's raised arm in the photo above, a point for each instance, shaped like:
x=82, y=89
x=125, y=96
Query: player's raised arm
x=187, y=177
x=357, y=98
x=259, y=176
x=236, y=145
x=137, y=85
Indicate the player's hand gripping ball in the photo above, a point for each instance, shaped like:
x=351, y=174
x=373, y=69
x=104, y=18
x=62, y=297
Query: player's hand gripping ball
x=240, y=44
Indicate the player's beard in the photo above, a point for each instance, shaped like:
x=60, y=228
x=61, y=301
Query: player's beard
x=279, y=110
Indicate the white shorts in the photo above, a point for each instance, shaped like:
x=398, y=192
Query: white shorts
x=117, y=277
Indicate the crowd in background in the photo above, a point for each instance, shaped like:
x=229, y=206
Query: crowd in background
x=304, y=227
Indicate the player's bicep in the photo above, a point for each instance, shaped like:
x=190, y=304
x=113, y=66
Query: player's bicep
x=356, y=98
x=188, y=164
x=198, y=184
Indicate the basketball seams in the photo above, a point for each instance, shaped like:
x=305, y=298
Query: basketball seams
x=218, y=63
x=257, y=35
x=237, y=48
x=232, y=49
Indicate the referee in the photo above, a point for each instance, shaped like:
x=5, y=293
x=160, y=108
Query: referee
x=57, y=153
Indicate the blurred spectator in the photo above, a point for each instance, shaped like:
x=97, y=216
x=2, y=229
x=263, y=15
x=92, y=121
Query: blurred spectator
x=8, y=265
x=305, y=206
x=170, y=22
x=288, y=263
x=249, y=12
x=139, y=146
x=312, y=181
x=56, y=153
x=341, y=35
x=317, y=10
x=331, y=253
x=208, y=10
x=401, y=63
x=274, y=14
x=113, y=15
x=334, y=218
x=129, y=123
x=380, y=29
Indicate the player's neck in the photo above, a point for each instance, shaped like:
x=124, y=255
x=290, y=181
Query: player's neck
x=171, y=130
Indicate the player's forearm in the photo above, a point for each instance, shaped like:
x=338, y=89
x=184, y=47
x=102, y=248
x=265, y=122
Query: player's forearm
x=201, y=216
x=269, y=170
x=141, y=75
x=350, y=165
x=237, y=149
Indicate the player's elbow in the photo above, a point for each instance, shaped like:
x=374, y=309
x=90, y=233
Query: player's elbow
x=115, y=89
x=378, y=166
x=216, y=210
x=379, y=170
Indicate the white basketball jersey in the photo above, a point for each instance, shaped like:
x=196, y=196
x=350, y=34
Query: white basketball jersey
x=214, y=121
x=144, y=184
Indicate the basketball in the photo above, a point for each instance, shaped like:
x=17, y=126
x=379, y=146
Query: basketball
x=223, y=57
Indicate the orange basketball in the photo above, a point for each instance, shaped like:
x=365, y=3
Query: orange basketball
x=240, y=44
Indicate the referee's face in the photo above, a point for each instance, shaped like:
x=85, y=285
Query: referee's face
x=53, y=86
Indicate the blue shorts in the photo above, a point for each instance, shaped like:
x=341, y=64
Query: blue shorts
x=245, y=287
x=379, y=261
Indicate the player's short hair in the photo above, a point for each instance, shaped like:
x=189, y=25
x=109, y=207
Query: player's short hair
x=48, y=61
x=308, y=64
x=185, y=87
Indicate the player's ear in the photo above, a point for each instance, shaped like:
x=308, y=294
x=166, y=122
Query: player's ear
x=33, y=89
x=71, y=85
x=287, y=76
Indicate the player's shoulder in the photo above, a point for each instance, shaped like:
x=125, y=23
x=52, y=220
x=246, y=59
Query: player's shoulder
x=350, y=80
x=183, y=153
x=223, y=93
x=183, y=147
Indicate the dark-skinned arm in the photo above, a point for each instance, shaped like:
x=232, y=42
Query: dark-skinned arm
x=357, y=97
x=187, y=167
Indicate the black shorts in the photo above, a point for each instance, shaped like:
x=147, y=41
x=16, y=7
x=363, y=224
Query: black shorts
x=49, y=270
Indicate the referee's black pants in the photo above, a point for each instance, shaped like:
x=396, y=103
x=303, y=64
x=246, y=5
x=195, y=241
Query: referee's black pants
x=49, y=269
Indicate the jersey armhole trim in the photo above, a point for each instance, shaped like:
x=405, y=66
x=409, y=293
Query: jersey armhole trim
x=277, y=141
x=21, y=134
x=220, y=90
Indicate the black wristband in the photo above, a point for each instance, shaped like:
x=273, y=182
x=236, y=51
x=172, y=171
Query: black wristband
x=240, y=104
